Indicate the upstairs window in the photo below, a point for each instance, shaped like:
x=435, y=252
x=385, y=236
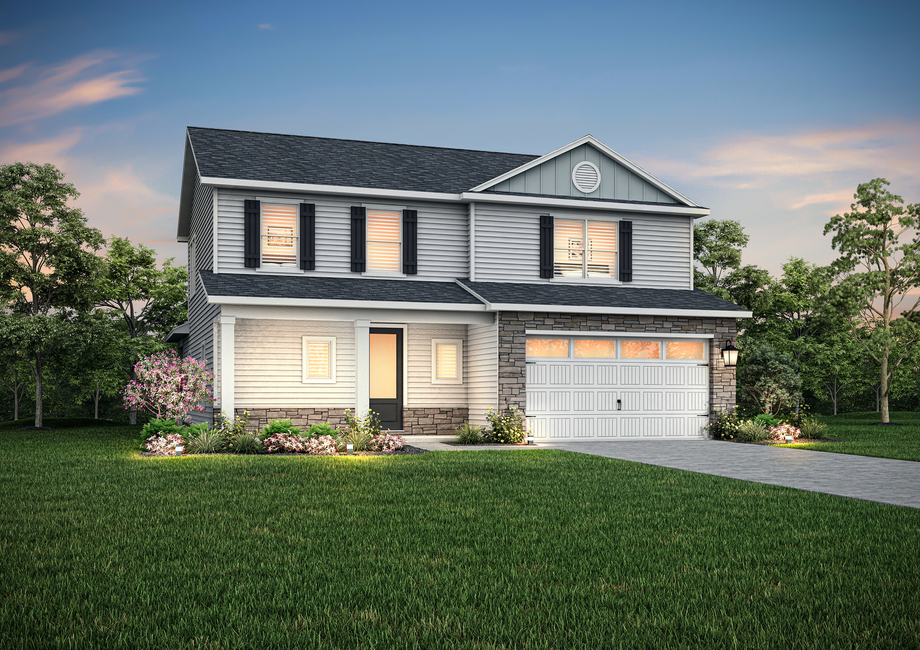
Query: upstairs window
x=279, y=235
x=384, y=238
x=584, y=249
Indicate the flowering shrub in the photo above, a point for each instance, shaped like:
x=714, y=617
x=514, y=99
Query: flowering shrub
x=321, y=445
x=387, y=442
x=726, y=425
x=779, y=433
x=167, y=386
x=508, y=429
x=286, y=443
x=171, y=444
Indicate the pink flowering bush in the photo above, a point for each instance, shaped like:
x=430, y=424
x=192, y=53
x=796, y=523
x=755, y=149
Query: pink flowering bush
x=324, y=445
x=171, y=444
x=387, y=442
x=783, y=430
x=169, y=387
x=286, y=443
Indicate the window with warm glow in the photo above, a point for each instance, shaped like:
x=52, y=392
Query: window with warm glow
x=588, y=349
x=640, y=349
x=383, y=240
x=584, y=249
x=548, y=348
x=318, y=359
x=279, y=235
x=685, y=350
x=446, y=361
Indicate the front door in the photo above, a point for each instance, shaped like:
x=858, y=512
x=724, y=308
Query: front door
x=386, y=374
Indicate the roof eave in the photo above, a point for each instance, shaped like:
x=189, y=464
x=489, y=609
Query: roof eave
x=187, y=193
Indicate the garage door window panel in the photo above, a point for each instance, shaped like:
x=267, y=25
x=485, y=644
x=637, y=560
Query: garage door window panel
x=685, y=350
x=640, y=349
x=593, y=349
x=548, y=348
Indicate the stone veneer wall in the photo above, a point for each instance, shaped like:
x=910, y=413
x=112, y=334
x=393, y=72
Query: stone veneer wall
x=512, y=347
x=416, y=421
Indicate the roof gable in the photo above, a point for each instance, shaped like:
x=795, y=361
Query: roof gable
x=551, y=175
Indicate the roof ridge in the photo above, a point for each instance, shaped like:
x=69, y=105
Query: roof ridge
x=389, y=144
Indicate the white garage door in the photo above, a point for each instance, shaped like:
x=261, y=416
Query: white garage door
x=582, y=388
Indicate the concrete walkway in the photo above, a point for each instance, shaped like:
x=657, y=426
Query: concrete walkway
x=895, y=482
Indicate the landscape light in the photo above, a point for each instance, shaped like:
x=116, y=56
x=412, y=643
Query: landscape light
x=730, y=355
x=350, y=448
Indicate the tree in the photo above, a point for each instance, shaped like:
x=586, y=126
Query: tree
x=717, y=248
x=46, y=254
x=868, y=239
x=835, y=371
x=12, y=363
x=168, y=386
x=96, y=360
x=150, y=300
x=767, y=379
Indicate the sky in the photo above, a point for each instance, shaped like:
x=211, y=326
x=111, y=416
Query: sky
x=767, y=113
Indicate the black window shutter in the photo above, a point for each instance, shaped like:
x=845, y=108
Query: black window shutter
x=410, y=242
x=358, y=239
x=626, y=251
x=308, y=236
x=546, y=246
x=251, y=249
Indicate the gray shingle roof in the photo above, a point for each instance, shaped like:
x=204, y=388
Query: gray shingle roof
x=246, y=155
x=317, y=288
x=571, y=295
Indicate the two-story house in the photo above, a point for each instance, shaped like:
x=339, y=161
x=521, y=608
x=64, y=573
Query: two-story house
x=430, y=284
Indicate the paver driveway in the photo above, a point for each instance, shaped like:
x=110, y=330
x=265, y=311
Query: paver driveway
x=883, y=480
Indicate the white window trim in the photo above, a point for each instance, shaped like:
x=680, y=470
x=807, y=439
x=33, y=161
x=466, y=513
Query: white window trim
x=434, y=361
x=402, y=236
x=271, y=267
x=584, y=278
x=306, y=369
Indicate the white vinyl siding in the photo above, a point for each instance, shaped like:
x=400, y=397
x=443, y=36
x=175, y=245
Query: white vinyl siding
x=443, y=234
x=508, y=245
x=422, y=393
x=481, y=372
x=269, y=364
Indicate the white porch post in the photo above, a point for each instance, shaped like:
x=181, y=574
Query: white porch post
x=226, y=365
x=362, y=366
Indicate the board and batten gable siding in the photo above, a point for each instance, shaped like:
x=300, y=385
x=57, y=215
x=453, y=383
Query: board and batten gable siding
x=481, y=370
x=554, y=177
x=421, y=392
x=443, y=233
x=269, y=364
x=508, y=245
x=201, y=315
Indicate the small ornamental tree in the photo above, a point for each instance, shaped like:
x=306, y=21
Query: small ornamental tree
x=169, y=387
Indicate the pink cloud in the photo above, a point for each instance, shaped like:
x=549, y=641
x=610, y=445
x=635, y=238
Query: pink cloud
x=53, y=150
x=7, y=38
x=12, y=73
x=82, y=81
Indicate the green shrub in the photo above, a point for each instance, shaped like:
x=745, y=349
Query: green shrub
x=752, y=431
x=726, y=425
x=322, y=429
x=360, y=431
x=279, y=426
x=768, y=420
x=469, y=434
x=812, y=428
x=163, y=427
x=229, y=428
x=246, y=442
x=205, y=441
x=506, y=429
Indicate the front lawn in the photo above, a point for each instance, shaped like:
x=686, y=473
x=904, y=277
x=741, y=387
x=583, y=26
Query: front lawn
x=492, y=549
x=864, y=438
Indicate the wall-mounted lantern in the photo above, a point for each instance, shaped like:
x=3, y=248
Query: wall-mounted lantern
x=730, y=355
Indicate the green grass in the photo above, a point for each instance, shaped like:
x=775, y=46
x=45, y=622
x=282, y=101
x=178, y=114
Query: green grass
x=865, y=439
x=489, y=549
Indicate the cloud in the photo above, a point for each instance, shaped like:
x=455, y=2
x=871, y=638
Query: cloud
x=81, y=81
x=842, y=199
x=7, y=38
x=265, y=26
x=53, y=150
x=891, y=150
x=12, y=73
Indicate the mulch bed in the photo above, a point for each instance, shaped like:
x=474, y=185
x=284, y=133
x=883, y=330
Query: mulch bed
x=408, y=450
x=794, y=442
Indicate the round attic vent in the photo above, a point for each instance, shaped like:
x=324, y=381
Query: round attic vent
x=586, y=176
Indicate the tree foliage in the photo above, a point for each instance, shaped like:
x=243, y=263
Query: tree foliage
x=767, y=379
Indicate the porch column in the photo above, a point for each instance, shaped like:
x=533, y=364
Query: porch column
x=362, y=366
x=226, y=365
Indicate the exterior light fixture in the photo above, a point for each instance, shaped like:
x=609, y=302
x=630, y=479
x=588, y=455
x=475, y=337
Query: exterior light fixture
x=350, y=448
x=730, y=355
x=529, y=439
x=788, y=438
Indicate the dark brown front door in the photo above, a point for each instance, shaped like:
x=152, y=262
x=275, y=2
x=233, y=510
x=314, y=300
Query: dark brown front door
x=386, y=375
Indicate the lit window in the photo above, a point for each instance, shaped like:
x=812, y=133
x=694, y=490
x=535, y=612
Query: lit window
x=588, y=349
x=446, y=361
x=383, y=240
x=547, y=347
x=685, y=350
x=584, y=249
x=318, y=359
x=279, y=235
x=640, y=349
